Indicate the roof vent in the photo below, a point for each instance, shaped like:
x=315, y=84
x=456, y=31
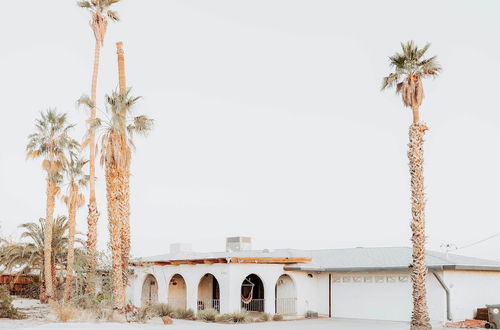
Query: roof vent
x=234, y=244
x=181, y=248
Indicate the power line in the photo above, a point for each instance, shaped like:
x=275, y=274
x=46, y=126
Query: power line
x=478, y=242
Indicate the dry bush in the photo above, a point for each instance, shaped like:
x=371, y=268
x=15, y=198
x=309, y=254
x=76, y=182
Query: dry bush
x=265, y=317
x=277, y=317
x=208, y=315
x=64, y=312
x=184, y=314
x=224, y=318
x=163, y=310
x=237, y=317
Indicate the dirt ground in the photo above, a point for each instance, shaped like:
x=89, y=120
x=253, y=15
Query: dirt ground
x=319, y=324
x=40, y=318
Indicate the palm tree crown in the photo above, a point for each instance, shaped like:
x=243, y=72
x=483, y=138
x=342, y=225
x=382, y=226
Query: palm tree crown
x=119, y=126
x=27, y=256
x=76, y=180
x=409, y=69
x=51, y=141
x=99, y=10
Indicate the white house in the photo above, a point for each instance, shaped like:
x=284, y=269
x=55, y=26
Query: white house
x=367, y=283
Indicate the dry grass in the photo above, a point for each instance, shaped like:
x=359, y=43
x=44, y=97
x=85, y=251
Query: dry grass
x=64, y=312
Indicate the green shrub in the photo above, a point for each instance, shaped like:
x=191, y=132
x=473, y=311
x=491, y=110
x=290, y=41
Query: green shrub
x=184, y=314
x=208, y=315
x=6, y=308
x=311, y=315
x=163, y=310
x=277, y=317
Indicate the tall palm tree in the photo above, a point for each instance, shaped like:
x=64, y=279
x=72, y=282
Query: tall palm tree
x=100, y=13
x=28, y=257
x=125, y=176
x=50, y=142
x=410, y=67
x=74, y=199
x=116, y=144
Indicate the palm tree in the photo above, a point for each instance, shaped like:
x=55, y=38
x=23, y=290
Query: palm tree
x=116, y=145
x=50, y=142
x=125, y=229
x=74, y=199
x=100, y=13
x=28, y=257
x=410, y=67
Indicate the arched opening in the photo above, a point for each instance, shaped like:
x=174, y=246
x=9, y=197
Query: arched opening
x=149, y=294
x=177, y=292
x=252, y=294
x=208, y=293
x=286, y=296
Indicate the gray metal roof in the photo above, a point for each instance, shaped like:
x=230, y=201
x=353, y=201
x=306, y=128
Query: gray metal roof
x=388, y=258
x=351, y=259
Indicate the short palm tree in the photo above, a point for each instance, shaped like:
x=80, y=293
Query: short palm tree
x=76, y=180
x=28, y=257
x=52, y=143
x=410, y=67
x=100, y=13
x=116, y=145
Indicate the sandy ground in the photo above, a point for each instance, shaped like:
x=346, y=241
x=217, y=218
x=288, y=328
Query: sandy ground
x=319, y=324
x=40, y=318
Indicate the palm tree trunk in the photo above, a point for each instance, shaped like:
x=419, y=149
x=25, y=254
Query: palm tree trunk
x=113, y=197
x=47, y=241
x=71, y=245
x=124, y=177
x=416, y=115
x=93, y=215
x=420, y=316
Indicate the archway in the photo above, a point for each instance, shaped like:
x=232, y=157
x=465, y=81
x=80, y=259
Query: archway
x=177, y=292
x=149, y=294
x=252, y=294
x=286, y=296
x=208, y=293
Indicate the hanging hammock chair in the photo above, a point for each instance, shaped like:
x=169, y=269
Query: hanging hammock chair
x=249, y=298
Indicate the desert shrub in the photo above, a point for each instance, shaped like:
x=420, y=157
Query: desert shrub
x=265, y=317
x=144, y=314
x=208, y=315
x=277, y=317
x=311, y=315
x=138, y=314
x=6, y=308
x=163, y=310
x=184, y=314
x=241, y=317
x=225, y=318
x=64, y=312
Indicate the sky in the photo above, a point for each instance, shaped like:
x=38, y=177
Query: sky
x=269, y=119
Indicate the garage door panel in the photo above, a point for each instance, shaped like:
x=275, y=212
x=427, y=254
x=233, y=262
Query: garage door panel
x=378, y=297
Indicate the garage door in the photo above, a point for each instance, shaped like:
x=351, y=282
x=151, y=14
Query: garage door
x=372, y=296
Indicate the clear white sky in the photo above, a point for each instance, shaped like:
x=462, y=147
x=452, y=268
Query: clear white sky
x=269, y=118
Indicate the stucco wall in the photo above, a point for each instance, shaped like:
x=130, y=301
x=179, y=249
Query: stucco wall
x=470, y=290
x=382, y=296
x=388, y=299
x=230, y=278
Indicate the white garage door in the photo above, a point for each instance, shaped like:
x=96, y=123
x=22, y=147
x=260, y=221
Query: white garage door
x=369, y=296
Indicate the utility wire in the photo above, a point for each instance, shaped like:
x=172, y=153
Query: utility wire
x=478, y=242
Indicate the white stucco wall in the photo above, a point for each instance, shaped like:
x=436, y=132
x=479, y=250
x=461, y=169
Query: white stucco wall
x=382, y=296
x=470, y=290
x=389, y=299
x=230, y=278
